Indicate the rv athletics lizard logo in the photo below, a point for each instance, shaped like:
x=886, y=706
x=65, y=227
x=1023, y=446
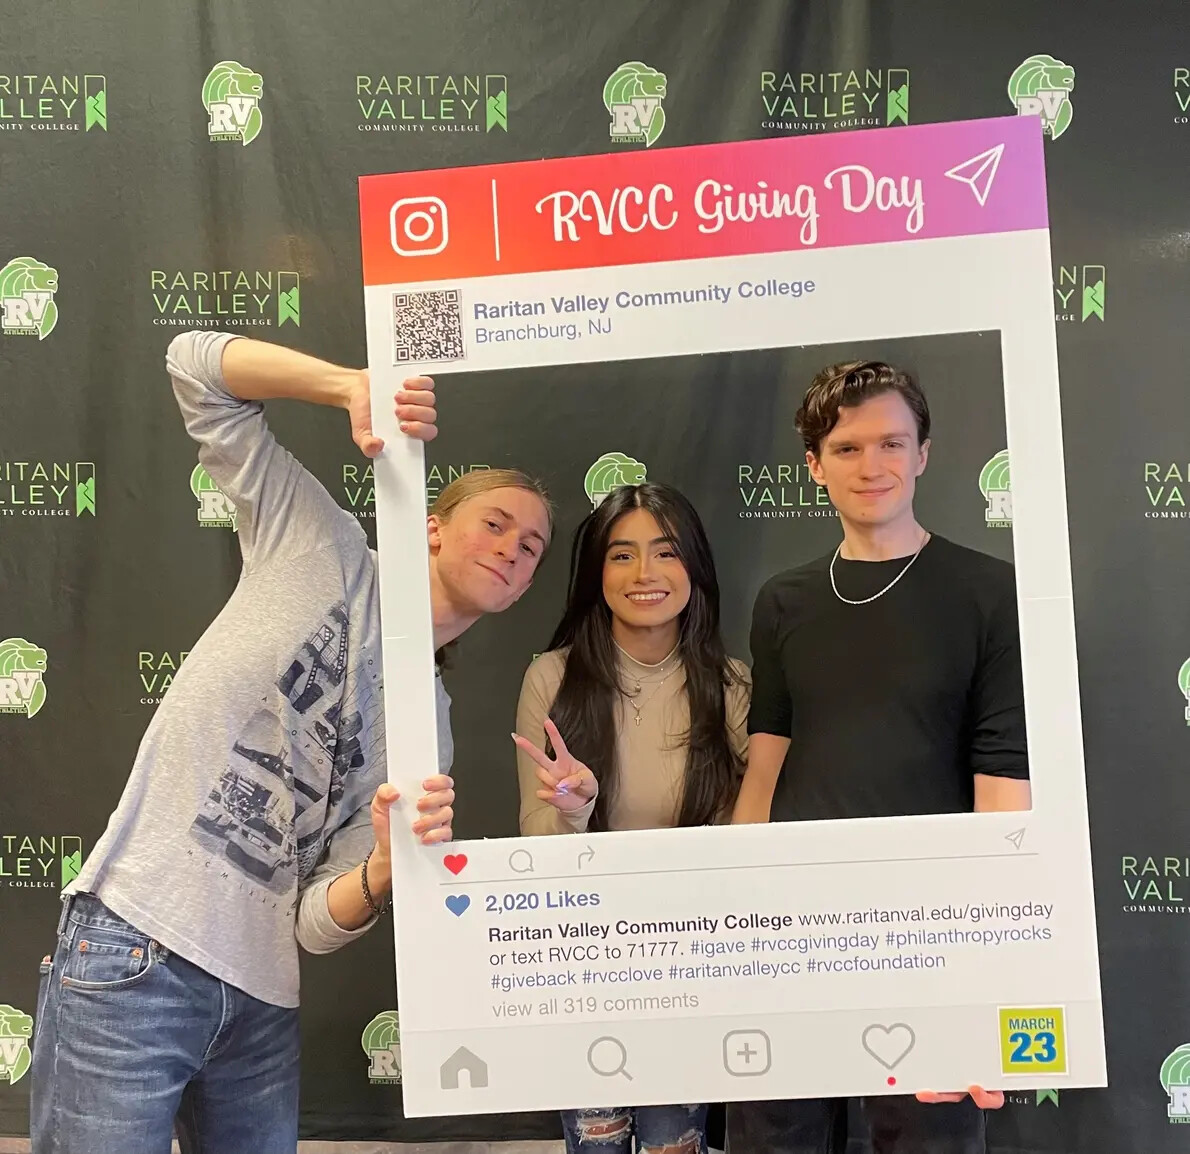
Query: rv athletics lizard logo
x=633, y=96
x=231, y=95
x=27, y=307
x=1041, y=86
x=612, y=471
x=22, y=673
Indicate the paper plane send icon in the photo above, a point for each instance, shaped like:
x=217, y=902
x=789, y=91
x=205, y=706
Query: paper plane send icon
x=979, y=172
x=1016, y=837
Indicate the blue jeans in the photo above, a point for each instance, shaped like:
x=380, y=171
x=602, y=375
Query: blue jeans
x=131, y=1039
x=677, y=1129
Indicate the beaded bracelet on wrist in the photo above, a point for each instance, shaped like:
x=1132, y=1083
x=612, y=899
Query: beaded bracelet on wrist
x=363, y=877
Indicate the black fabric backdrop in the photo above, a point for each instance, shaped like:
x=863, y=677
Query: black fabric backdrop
x=134, y=205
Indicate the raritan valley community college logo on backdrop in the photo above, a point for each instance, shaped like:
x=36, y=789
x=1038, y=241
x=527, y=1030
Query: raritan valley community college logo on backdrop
x=849, y=98
x=1156, y=883
x=1041, y=86
x=1167, y=491
x=231, y=95
x=633, y=96
x=995, y=483
x=433, y=102
x=22, y=673
x=215, y=509
x=40, y=102
x=382, y=1044
x=27, y=307
x=16, y=1028
x=1032, y=1098
x=226, y=297
x=157, y=669
x=612, y=471
x=359, y=485
x=37, y=861
x=47, y=488
x=1080, y=293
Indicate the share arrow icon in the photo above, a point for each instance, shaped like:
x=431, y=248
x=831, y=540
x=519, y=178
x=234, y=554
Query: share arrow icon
x=1016, y=837
x=979, y=172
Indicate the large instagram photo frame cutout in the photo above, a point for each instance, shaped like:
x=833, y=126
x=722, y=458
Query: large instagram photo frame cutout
x=933, y=229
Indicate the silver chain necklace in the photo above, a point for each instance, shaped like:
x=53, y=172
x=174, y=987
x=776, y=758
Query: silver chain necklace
x=848, y=601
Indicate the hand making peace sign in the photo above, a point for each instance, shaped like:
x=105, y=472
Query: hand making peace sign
x=570, y=785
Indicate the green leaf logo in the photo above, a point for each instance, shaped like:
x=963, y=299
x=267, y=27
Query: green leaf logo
x=72, y=864
x=898, y=97
x=1094, y=294
x=95, y=105
x=289, y=299
x=496, y=91
x=84, y=488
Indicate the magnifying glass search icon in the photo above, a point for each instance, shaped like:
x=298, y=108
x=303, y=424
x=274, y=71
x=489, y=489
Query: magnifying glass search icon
x=608, y=1057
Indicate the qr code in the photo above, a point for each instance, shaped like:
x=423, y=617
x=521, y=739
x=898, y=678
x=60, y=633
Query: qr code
x=428, y=326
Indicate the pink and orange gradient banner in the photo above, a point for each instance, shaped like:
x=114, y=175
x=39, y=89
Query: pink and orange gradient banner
x=850, y=188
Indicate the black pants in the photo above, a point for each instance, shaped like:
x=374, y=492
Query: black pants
x=896, y=1125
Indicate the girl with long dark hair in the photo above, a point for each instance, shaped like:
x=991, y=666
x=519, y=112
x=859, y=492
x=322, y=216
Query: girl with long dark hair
x=634, y=718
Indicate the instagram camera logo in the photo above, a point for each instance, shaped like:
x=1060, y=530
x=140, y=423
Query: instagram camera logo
x=418, y=226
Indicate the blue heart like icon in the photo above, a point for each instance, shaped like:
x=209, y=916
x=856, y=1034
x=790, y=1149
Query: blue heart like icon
x=457, y=904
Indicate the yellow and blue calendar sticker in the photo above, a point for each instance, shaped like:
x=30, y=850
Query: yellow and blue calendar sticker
x=1033, y=1039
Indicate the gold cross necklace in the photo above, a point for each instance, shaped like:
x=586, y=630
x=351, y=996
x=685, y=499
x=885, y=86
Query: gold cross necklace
x=639, y=686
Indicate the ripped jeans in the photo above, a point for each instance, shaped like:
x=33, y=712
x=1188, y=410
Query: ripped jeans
x=658, y=1130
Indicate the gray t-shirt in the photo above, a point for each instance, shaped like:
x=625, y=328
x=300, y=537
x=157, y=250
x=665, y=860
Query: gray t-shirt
x=250, y=792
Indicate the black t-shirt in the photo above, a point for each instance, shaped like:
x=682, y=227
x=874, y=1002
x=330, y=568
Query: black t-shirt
x=891, y=706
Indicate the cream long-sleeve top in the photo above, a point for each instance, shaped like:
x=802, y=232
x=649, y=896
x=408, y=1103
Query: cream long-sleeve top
x=652, y=753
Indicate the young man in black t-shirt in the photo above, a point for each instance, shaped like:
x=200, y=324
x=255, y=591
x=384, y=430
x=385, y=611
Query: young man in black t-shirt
x=886, y=682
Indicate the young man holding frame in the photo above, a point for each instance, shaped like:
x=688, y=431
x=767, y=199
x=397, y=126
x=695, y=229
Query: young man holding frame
x=886, y=682
x=256, y=815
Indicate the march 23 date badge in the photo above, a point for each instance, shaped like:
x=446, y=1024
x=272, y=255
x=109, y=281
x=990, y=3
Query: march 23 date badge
x=1033, y=1040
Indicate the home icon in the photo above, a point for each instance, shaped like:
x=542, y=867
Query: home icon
x=463, y=1059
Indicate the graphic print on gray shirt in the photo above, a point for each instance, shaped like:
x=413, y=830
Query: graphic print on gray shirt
x=262, y=813
x=251, y=788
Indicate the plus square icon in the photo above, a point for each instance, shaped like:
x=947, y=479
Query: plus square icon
x=747, y=1053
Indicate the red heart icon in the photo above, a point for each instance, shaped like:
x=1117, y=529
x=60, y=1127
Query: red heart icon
x=455, y=862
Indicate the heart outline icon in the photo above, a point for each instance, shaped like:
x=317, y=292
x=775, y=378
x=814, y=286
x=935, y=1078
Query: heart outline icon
x=457, y=904
x=889, y=1053
x=455, y=862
